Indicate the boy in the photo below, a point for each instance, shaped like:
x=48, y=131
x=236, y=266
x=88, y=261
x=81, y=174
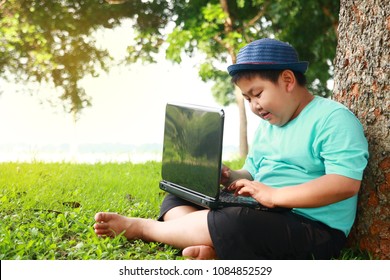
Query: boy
x=308, y=154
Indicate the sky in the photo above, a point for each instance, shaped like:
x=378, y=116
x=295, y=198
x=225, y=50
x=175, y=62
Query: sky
x=128, y=106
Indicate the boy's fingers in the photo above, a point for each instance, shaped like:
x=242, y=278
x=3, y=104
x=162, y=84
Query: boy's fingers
x=245, y=191
x=233, y=186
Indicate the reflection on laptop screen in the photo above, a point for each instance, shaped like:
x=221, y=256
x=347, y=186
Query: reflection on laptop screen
x=192, y=148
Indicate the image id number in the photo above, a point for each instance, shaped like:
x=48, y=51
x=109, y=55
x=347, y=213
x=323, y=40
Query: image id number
x=242, y=270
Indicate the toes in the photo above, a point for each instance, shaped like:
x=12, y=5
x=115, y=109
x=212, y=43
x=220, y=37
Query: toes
x=104, y=232
x=110, y=224
x=100, y=225
x=101, y=217
x=199, y=252
x=191, y=252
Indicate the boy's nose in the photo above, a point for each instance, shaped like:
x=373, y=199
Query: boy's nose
x=257, y=105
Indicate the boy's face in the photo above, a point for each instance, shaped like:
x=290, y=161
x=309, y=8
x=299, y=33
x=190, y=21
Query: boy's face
x=271, y=102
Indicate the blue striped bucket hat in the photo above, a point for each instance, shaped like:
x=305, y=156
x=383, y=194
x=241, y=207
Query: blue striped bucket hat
x=267, y=54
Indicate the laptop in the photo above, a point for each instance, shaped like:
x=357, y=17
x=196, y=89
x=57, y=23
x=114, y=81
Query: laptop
x=192, y=157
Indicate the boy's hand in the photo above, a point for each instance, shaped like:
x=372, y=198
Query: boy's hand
x=262, y=193
x=225, y=175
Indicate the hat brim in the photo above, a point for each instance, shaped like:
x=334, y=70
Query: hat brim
x=297, y=66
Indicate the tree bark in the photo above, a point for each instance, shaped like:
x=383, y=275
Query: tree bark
x=362, y=84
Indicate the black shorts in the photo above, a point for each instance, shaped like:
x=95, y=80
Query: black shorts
x=242, y=233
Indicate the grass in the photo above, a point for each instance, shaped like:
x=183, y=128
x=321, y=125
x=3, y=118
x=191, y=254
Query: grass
x=47, y=210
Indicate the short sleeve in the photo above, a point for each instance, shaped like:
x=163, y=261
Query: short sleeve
x=342, y=145
x=250, y=164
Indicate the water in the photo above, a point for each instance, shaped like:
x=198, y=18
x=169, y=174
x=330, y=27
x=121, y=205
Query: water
x=89, y=153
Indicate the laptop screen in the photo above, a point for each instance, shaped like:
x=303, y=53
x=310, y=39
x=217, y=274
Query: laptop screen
x=193, y=147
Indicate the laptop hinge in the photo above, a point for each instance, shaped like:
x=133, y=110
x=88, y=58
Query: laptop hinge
x=187, y=190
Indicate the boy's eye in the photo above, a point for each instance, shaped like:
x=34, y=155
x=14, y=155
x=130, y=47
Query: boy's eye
x=258, y=94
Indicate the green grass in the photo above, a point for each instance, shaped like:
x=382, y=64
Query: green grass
x=47, y=210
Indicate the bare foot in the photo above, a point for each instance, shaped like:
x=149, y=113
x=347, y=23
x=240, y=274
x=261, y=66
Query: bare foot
x=201, y=252
x=112, y=224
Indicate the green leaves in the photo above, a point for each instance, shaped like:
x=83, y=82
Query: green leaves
x=220, y=28
x=178, y=40
x=52, y=42
x=213, y=13
x=310, y=27
x=222, y=90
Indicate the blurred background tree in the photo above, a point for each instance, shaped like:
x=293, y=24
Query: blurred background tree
x=52, y=42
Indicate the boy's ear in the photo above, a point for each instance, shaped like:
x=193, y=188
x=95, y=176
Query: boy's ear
x=288, y=79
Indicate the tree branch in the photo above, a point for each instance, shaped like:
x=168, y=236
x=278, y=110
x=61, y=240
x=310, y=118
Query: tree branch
x=259, y=15
x=228, y=28
x=2, y=2
x=229, y=20
x=255, y=19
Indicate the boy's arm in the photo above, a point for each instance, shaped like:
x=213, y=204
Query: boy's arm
x=322, y=191
x=229, y=176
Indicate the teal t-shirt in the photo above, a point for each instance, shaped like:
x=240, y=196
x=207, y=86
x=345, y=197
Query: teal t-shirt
x=325, y=138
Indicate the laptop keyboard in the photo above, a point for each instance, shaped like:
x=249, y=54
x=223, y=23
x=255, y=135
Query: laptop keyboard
x=248, y=201
x=231, y=198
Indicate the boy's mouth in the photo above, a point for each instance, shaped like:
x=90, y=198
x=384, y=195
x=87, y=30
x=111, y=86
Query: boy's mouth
x=265, y=115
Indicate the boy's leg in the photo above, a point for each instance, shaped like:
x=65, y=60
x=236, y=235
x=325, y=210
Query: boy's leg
x=174, y=207
x=178, y=212
x=198, y=252
x=189, y=230
x=271, y=235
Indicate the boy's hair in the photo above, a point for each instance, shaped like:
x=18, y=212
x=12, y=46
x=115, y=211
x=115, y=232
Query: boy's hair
x=269, y=75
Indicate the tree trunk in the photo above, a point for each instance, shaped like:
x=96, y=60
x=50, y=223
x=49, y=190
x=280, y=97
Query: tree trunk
x=243, y=134
x=243, y=123
x=362, y=84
